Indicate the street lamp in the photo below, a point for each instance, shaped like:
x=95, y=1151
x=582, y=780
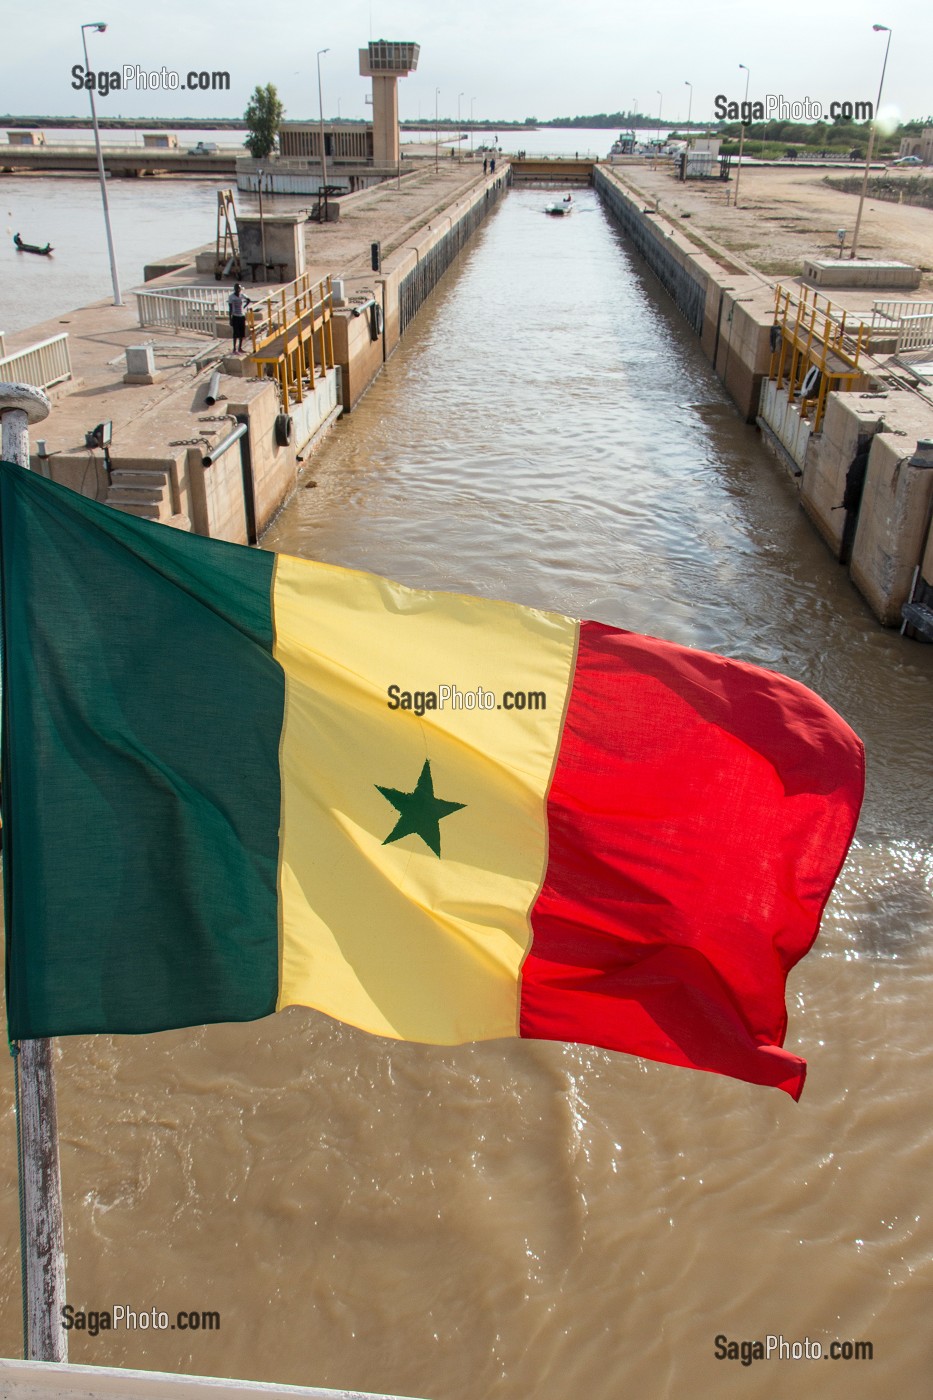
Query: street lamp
x=660, y=102
x=459, y=132
x=117, y=298
x=472, y=100
x=738, y=173
x=690, y=107
x=262, y=224
x=320, y=100
x=879, y=29
x=437, y=94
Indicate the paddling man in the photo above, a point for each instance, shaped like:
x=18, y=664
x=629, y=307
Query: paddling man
x=237, y=304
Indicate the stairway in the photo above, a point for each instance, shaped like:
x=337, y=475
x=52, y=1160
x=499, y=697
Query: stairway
x=147, y=494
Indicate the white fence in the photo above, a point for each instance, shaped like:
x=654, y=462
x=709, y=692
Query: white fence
x=44, y=364
x=182, y=309
x=910, y=321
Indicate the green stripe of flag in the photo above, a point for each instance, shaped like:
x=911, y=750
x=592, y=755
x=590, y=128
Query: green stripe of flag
x=142, y=711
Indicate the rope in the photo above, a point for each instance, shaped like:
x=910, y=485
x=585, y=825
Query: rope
x=14, y=1051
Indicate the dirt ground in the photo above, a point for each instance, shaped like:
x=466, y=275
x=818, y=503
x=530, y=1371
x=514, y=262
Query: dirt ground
x=786, y=215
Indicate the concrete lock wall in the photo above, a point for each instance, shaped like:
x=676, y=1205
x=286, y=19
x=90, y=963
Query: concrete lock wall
x=360, y=357
x=730, y=311
x=217, y=501
x=219, y=506
x=275, y=469
x=848, y=421
x=891, y=538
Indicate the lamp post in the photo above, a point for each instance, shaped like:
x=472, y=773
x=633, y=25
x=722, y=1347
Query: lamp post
x=262, y=224
x=459, y=132
x=437, y=95
x=660, y=103
x=879, y=29
x=688, y=84
x=738, y=173
x=472, y=100
x=114, y=277
x=320, y=100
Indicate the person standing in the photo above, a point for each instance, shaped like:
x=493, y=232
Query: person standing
x=237, y=304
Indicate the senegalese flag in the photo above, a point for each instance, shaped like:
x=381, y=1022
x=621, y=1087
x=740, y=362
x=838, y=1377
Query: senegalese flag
x=226, y=791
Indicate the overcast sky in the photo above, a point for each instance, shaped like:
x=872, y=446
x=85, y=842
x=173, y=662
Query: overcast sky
x=508, y=58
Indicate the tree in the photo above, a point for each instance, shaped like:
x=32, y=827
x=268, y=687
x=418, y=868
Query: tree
x=262, y=116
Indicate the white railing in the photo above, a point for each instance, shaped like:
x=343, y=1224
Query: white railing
x=916, y=333
x=884, y=312
x=910, y=321
x=44, y=364
x=182, y=308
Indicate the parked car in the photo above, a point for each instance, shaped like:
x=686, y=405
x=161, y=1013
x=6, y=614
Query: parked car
x=204, y=148
x=908, y=160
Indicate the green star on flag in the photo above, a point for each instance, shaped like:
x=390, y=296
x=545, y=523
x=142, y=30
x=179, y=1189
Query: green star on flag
x=421, y=812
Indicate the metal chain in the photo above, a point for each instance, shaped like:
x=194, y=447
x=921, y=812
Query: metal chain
x=204, y=437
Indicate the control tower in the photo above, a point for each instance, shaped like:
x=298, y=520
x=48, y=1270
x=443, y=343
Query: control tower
x=385, y=63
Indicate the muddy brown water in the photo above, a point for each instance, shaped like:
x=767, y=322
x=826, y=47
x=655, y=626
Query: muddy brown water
x=522, y=1219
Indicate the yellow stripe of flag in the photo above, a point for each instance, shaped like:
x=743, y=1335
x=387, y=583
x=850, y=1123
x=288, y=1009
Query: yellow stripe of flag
x=376, y=928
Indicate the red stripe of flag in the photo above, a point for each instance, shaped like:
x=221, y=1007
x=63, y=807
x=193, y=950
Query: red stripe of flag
x=699, y=815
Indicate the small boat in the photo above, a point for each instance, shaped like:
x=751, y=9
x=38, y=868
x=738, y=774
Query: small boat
x=566, y=206
x=624, y=145
x=32, y=247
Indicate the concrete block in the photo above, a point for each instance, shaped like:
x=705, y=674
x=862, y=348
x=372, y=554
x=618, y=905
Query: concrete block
x=893, y=523
x=282, y=235
x=843, y=272
x=847, y=422
x=140, y=359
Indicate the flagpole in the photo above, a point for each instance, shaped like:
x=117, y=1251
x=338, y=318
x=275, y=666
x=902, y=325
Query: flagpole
x=40, y=1184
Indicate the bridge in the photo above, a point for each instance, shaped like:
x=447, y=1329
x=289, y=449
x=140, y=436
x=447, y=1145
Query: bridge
x=119, y=161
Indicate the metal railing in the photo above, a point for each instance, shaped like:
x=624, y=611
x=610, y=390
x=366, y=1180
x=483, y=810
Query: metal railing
x=44, y=364
x=291, y=335
x=182, y=308
x=910, y=321
x=816, y=351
